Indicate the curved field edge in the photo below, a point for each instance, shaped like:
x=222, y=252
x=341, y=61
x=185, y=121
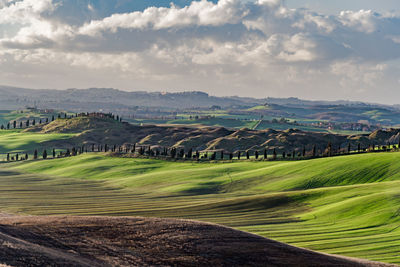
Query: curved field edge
x=345, y=205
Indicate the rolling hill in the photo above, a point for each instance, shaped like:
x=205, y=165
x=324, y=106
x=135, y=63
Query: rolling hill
x=344, y=205
x=94, y=130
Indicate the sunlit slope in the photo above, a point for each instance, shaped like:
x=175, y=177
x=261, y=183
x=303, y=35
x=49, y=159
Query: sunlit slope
x=12, y=141
x=234, y=177
x=344, y=205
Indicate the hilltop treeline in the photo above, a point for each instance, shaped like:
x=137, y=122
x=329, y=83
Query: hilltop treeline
x=98, y=129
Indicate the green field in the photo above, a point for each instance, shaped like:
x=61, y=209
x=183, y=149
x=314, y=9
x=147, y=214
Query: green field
x=16, y=141
x=346, y=205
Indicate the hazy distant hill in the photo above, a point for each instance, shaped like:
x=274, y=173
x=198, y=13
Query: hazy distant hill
x=157, y=104
x=108, y=98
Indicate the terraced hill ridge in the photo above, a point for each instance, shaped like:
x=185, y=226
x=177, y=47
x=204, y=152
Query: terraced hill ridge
x=93, y=130
x=128, y=241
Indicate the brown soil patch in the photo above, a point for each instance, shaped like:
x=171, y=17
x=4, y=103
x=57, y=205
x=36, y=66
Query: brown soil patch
x=134, y=241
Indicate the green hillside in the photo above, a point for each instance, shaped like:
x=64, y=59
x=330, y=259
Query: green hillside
x=345, y=205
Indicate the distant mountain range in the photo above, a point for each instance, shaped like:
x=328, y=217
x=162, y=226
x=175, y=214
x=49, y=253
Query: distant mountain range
x=93, y=99
x=13, y=97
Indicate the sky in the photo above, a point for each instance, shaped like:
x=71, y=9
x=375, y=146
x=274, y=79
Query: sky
x=311, y=49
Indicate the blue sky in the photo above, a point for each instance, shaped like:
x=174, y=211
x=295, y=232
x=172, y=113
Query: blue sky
x=308, y=49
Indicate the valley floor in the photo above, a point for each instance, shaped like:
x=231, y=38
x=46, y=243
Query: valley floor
x=345, y=205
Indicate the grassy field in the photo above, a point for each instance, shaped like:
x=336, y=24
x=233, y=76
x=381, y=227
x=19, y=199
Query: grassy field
x=345, y=205
x=16, y=141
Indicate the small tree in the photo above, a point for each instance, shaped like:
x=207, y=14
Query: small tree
x=26, y=156
x=8, y=156
x=35, y=154
x=222, y=155
x=44, y=154
x=15, y=124
x=20, y=124
x=27, y=123
x=247, y=154
x=359, y=147
x=256, y=154
x=190, y=152
x=33, y=122
x=274, y=154
x=304, y=151
x=54, y=153
x=265, y=153
x=238, y=155
x=17, y=157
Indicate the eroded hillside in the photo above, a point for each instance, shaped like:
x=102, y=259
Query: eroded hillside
x=94, y=130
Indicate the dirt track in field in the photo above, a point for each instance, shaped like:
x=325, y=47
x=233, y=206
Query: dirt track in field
x=134, y=241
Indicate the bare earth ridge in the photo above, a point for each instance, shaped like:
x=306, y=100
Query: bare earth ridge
x=136, y=241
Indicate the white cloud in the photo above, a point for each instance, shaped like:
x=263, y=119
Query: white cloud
x=260, y=45
x=363, y=20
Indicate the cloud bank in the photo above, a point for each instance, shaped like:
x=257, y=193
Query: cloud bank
x=229, y=47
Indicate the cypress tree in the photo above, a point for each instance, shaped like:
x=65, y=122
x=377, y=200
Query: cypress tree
x=15, y=124
x=197, y=154
x=238, y=155
x=247, y=154
x=54, y=153
x=274, y=154
x=222, y=155
x=283, y=154
x=26, y=156
x=2, y=127
x=35, y=154
x=27, y=123
x=231, y=156
x=33, y=122
x=190, y=152
x=8, y=156
x=265, y=153
x=329, y=149
x=304, y=151
x=293, y=153
x=40, y=121
x=52, y=118
x=256, y=154
x=8, y=126
x=20, y=125
x=45, y=154
x=17, y=157
x=47, y=120
x=359, y=147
